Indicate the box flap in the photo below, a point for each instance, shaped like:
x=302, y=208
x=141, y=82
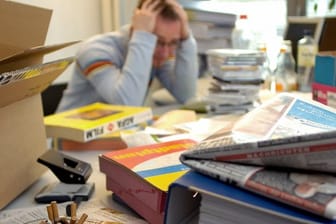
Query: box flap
x=25, y=27
x=29, y=56
x=30, y=81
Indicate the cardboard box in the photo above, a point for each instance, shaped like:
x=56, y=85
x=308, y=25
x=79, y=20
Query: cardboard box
x=23, y=137
x=325, y=68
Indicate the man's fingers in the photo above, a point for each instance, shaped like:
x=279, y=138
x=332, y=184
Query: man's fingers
x=152, y=5
x=145, y=17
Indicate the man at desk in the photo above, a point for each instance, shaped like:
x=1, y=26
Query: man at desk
x=118, y=67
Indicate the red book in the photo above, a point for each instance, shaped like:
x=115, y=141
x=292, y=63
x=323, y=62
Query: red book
x=108, y=142
x=140, y=176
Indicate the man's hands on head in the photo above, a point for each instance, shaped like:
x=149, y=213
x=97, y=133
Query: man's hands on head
x=144, y=18
x=183, y=16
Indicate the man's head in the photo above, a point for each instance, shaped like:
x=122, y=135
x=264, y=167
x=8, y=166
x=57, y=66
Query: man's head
x=166, y=10
x=167, y=28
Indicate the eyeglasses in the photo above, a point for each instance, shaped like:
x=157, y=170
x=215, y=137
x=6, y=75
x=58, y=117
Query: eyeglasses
x=173, y=44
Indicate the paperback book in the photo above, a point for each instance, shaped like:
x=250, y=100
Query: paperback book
x=95, y=120
x=140, y=176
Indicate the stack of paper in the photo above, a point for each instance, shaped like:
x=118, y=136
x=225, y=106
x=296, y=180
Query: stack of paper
x=211, y=24
x=237, y=77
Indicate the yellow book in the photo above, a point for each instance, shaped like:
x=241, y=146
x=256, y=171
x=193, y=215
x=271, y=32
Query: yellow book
x=95, y=120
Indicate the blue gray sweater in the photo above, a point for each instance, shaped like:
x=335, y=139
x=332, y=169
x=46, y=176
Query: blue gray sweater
x=115, y=68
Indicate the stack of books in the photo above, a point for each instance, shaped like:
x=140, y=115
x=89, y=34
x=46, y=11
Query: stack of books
x=211, y=26
x=237, y=78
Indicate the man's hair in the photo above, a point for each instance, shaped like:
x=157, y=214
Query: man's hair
x=167, y=11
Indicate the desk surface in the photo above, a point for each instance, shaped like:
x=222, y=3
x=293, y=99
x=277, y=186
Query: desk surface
x=26, y=199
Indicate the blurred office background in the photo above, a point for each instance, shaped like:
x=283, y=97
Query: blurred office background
x=78, y=20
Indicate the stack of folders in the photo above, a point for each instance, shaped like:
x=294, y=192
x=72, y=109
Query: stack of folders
x=237, y=78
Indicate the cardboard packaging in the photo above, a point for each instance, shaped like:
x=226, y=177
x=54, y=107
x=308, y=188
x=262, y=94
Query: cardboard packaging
x=325, y=68
x=325, y=94
x=23, y=137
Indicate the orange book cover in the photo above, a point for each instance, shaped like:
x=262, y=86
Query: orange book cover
x=108, y=144
x=140, y=176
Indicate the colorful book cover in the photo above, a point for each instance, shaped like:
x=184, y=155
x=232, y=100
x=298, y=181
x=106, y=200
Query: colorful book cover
x=189, y=193
x=92, y=121
x=140, y=176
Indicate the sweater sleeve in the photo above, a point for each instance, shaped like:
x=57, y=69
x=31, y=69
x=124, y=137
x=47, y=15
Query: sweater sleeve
x=121, y=79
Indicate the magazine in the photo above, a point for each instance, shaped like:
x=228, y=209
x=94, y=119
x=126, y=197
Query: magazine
x=285, y=149
x=286, y=131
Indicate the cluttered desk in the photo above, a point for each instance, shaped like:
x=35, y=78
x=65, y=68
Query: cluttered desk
x=150, y=174
x=140, y=197
x=152, y=195
x=177, y=167
x=25, y=209
x=154, y=170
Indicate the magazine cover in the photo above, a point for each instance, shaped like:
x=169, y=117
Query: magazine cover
x=286, y=132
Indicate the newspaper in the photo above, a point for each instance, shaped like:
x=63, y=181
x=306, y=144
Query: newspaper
x=273, y=150
x=286, y=131
x=315, y=193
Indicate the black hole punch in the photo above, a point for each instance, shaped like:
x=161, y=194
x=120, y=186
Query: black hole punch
x=70, y=163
